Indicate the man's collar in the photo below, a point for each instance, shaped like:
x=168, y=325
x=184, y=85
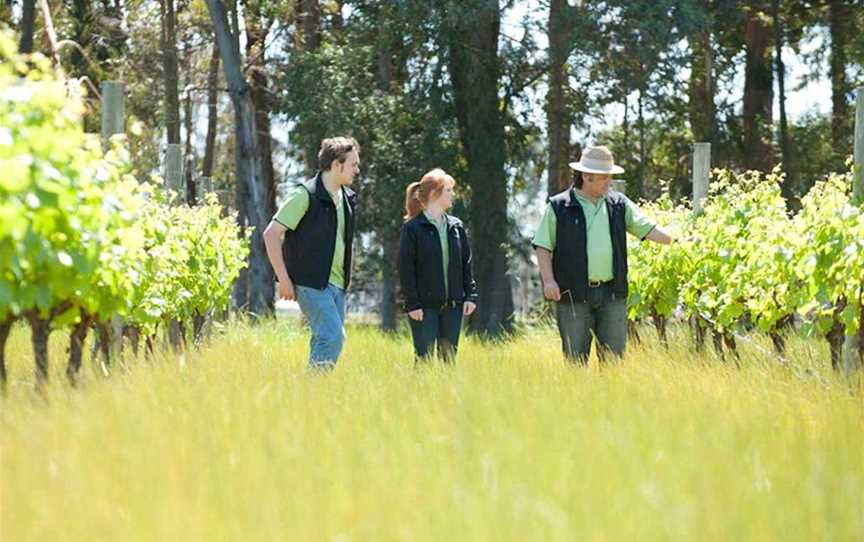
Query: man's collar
x=336, y=191
x=321, y=191
x=580, y=195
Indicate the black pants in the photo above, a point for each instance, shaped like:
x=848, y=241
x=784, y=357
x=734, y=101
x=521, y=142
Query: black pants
x=441, y=326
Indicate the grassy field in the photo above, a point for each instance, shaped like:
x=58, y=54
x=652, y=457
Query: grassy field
x=239, y=442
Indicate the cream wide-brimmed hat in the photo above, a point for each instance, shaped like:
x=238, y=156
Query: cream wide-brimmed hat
x=597, y=159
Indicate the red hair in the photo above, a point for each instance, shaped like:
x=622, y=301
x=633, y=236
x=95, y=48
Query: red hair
x=419, y=193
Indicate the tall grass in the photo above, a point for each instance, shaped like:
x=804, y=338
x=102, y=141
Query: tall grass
x=240, y=442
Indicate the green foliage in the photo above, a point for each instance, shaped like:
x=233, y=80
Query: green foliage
x=656, y=272
x=66, y=211
x=744, y=258
x=79, y=235
x=191, y=259
x=741, y=254
x=830, y=263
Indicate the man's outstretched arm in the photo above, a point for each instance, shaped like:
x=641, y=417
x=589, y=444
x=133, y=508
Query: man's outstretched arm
x=659, y=235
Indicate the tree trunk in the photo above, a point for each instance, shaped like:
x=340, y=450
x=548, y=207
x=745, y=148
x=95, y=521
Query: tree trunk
x=39, y=330
x=79, y=27
x=758, y=92
x=176, y=336
x=50, y=34
x=134, y=334
x=307, y=19
x=168, y=39
x=698, y=329
x=639, y=184
x=778, y=335
x=717, y=339
x=148, y=347
x=241, y=189
x=472, y=31
x=212, y=113
x=189, y=152
x=389, y=280
x=835, y=338
x=779, y=342
x=625, y=123
x=249, y=168
x=181, y=326
x=841, y=125
x=308, y=22
x=860, y=338
x=558, y=116
x=389, y=82
x=732, y=346
x=786, y=156
x=257, y=29
x=240, y=293
x=660, y=324
x=241, y=197
x=633, y=331
x=28, y=23
x=703, y=111
x=104, y=331
x=76, y=349
x=5, y=328
x=198, y=323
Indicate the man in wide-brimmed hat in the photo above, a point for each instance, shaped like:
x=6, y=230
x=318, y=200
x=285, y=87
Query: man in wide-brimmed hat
x=581, y=247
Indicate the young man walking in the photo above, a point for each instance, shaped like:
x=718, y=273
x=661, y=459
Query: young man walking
x=581, y=248
x=313, y=262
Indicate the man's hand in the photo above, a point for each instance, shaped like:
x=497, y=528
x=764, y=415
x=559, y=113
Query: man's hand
x=286, y=290
x=551, y=290
x=468, y=307
x=544, y=261
x=684, y=240
x=416, y=315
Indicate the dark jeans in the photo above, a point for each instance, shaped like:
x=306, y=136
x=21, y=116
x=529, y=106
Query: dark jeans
x=604, y=315
x=441, y=326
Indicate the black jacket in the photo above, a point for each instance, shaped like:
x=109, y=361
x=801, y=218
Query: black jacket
x=570, y=258
x=421, y=272
x=308, y=249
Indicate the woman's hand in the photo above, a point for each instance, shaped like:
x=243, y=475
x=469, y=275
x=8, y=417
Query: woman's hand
x=416, y=315
x=468, y=307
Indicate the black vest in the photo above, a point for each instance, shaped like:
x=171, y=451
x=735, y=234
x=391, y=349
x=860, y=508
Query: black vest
x=308, y=249
x=570, y=257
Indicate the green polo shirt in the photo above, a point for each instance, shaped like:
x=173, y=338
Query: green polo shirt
x=441, y=226
x=598, y=236
x=295, y=207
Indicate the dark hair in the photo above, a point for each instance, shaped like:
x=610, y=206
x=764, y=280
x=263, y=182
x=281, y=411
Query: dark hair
x=577, y=179
x=335, y=149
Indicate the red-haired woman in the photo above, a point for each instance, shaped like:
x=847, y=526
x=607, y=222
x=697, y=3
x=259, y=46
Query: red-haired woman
x=435, y=267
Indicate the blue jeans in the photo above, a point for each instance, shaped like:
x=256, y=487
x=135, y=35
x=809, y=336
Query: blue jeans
x=441, y=326
x=325, y=310
x=603, y=314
